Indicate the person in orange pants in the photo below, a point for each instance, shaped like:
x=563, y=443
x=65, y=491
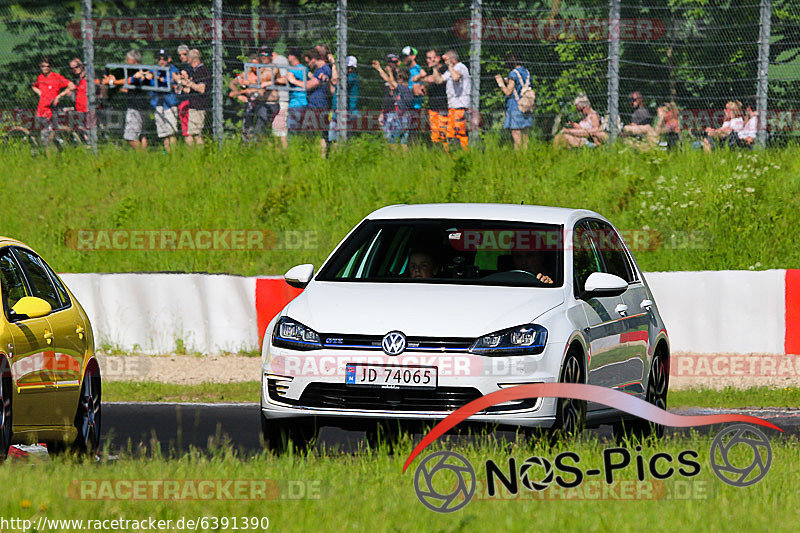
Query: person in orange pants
x=457, y=127
x=437, y=98
x=457, y=86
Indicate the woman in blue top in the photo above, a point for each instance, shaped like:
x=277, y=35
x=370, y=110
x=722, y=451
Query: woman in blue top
x=516, y=121
x=298, y=99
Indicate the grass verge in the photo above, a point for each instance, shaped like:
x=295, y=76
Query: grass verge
x=726, y=210
x=369, y=491
x=248, y=391
x=149, y=391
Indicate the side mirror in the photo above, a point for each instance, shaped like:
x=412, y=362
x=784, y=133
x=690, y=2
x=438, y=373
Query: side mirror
x=603, y=284
x=30, y=307
x=299, y=276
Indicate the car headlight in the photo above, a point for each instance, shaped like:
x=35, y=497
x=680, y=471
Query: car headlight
x=521, y=340
x=292, y=334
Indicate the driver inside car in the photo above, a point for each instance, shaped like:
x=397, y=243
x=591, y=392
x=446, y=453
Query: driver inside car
x=531, y=262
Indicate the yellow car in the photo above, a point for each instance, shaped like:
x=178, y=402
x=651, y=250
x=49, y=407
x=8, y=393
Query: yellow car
x=50, y=386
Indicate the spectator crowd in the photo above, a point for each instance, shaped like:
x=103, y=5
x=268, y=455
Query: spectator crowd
x=297, y=94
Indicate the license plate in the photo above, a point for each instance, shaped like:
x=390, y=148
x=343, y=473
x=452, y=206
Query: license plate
x=391, y=377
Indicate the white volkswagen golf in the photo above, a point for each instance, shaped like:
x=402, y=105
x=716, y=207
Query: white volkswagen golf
x=423, y=308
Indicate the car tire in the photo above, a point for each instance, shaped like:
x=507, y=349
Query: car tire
x=6, y=393
x=88, y=415
x=281, y=436
x=656, y=394
x=570, y=414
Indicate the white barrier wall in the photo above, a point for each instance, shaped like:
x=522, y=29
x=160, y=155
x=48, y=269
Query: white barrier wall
x=735, y=312
x=153, y=313
x=728, y=311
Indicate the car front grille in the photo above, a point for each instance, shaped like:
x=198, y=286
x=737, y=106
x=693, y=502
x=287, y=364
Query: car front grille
x=373, y=342
x=341, y=396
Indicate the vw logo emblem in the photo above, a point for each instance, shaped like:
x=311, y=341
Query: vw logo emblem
x=394, y=343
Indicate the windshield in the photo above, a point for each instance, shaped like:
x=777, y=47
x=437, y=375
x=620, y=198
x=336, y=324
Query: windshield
x=471, y=252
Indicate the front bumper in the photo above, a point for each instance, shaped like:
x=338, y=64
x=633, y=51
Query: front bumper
x=312, y=384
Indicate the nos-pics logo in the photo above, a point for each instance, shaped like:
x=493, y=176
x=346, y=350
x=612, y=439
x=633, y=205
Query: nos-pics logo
x=445, y=481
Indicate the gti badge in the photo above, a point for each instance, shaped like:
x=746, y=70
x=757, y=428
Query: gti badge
x=394, y=343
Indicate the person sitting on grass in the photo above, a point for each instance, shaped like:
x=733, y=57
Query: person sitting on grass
x=667, y=124
x=734, y=122
x=587, y=132
x=746, y=137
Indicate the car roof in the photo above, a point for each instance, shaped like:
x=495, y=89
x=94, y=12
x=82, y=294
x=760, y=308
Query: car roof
x=508, y=212
x=8, y=241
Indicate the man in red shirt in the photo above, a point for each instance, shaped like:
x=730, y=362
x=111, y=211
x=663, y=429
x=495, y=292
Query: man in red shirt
x=50, y=86
x=79, y=121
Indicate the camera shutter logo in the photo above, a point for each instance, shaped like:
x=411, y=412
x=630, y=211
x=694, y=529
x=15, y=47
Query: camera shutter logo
x=525, y=473
x=733, y=474
x=394, y=343
x=448, y=464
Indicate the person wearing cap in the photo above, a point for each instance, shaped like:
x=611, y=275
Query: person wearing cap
x=268, y=104
x=165, y=104
x=415, y=73
x=458, y=86
x=352, y=96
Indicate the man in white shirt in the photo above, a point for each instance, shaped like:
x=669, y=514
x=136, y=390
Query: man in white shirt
x=457, y=86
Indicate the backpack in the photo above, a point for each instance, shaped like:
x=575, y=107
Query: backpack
x=525, y=96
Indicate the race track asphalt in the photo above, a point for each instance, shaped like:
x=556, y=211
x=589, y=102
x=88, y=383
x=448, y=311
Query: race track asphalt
x=178, y=427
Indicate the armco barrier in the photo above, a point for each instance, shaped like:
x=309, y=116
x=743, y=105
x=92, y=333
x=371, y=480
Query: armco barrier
x=736, y=312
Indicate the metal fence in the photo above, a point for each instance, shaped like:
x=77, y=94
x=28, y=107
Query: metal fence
x=696, y=54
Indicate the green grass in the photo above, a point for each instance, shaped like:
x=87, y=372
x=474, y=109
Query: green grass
x=368, y=491
x=727, y=210
x=248, y=391
x=149, y=391
x=730, y=397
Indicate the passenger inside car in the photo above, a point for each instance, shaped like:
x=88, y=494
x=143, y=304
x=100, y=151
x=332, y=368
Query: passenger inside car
x=422, y=264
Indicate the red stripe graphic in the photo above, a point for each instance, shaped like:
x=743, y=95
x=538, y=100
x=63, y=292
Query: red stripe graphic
x=634, y=336
x=792, y=293
x=272, y=295
x=578, y=391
